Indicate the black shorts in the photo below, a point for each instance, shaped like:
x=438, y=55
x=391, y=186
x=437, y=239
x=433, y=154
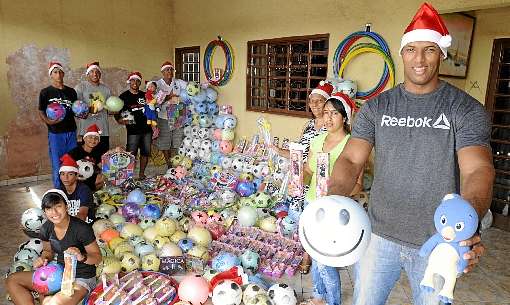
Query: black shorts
x=139, y=141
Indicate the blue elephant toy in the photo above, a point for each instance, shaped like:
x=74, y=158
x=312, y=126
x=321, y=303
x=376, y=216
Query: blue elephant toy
x=455, y=220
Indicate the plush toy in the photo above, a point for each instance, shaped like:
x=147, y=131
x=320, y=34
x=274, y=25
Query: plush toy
x=455, y=220
x=149, y=109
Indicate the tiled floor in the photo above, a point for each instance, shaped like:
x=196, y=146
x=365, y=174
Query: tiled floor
x=489, y=284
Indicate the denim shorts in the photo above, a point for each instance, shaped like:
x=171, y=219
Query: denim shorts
x=139, y=141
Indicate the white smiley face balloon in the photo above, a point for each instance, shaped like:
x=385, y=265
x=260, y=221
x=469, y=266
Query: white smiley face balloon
x=335, y=230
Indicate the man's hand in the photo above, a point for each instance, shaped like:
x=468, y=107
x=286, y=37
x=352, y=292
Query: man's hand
x=39, y=262
x=477, y=250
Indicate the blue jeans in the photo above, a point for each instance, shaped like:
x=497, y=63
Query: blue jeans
x=379, y=269
x=326, y=283
x=58, y=145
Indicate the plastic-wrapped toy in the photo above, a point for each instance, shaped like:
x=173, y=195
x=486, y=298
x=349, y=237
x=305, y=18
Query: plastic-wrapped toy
x=455, y=220
x=296, y=170
x=322, y=174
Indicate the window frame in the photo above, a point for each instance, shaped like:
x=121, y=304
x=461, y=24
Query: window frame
x=288, y=78
x=179, y=62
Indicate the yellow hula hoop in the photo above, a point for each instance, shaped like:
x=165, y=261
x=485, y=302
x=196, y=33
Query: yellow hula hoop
x=358, y=51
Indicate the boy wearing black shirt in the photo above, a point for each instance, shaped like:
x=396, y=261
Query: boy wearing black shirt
x=139, y=133
x=61, y=134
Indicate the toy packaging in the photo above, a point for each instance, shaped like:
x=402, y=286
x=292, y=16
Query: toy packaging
x=70, y=261
x=173, y=265
x=322, y=174
x=295, y=187
x=240, y=146
x=118, y=166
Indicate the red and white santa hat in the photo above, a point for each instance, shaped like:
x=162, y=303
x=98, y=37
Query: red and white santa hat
x=323, y=88
x=91, y=66
x=92, y=130
x=134, y=75
x=68, y=164
x=347, y=102
x=166, y=65
x=54, y=65
x=427, y=25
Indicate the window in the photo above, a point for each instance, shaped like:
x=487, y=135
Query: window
x=497, y=103
x=283, y=71
x=187, y=63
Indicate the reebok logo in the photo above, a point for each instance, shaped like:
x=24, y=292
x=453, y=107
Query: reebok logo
x=441, y=122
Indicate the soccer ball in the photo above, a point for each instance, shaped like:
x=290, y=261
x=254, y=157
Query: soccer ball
x=85, y=169
x=147, y=222
x=259, y=299
x=251, y=291
x=26, y=255
x=129, y=262
x=33, y=219
x=143, y=248
x=282, y=294
x=227, y=293
x=20, y=266
x=150, y=262
x=159, y=241
x=192, y=88
x=34, y=244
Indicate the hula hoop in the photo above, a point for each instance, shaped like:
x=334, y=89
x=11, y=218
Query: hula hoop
x=229, y=62
x=344, y=50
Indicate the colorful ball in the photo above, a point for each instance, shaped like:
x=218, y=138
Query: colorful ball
x=55, y=112
x=245, y=188
x=224, y=261
x=170, y=249
x=150, y=262
x=130, y=262
x=114, y=104
x=109, y=234
x=151, y=211
x=136, y=196
x=166, y=226
x=130, y=210
x=186, y=244
x=47, y=279
x=80, y=109
x=130, y=229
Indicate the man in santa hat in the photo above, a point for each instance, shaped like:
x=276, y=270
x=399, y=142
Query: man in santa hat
x=81, y=202
x=61, y=133
x=430, y=139
x=170, y=136
x=90, y=90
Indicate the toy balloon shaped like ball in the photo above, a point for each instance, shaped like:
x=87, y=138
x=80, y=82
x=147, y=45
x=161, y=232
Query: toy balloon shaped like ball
x=151, y=211
x=247, y=216
x=130, y=210
x=245, y=188
x=80, y=109
x=335, y=230
x=224, y=261
x=347, y=87
x=194, y=289
x=55, y=112
x=48, y=279
x=136, y=196
x=193, y=88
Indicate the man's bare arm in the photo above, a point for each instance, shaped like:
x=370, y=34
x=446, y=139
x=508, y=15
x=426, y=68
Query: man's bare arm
x=476, y=177
x=348, y=167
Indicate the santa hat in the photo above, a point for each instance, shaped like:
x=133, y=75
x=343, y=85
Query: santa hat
x=427, y=25
x=68, y=164
x=166, y=64
x=347, y=102
x=54, y=65
x=134, y=75
x=92, y=130
x=324, y=88
x=91, y=66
